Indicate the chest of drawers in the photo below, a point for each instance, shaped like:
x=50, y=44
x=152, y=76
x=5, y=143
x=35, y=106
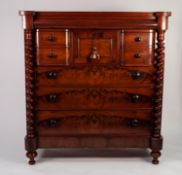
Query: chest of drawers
x=94, y=80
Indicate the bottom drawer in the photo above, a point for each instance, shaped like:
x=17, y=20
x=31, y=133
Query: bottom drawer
x=59, y=123
x=94, y=142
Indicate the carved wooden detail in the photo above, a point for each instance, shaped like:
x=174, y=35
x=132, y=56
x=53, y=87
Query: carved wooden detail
x=31, y=155
x=158, y=89
x=158, y=93
x=29, y=71
x=94, y=54
x=155, y=155
x=91, y=46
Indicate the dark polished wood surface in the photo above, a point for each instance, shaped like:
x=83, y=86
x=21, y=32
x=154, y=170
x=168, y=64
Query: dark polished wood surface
x=94, y=80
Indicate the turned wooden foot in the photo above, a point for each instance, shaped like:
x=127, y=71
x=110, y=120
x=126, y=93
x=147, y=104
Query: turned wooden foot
x=155, y=155
x=31, y=156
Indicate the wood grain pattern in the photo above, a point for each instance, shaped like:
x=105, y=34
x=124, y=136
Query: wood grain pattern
x=94, y=80
x=94, y=142
x=104, y=41
x=137, y=47
x=94, y=75
x=57, y=123
x=93, y=98
x=52, y=56
x=54, y=37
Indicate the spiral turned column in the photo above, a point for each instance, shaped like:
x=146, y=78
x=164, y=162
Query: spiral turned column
x=158, y=93
x=30, y=142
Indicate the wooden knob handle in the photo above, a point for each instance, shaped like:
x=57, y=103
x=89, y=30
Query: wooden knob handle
x=52, y=75
x=138, y=39
x=136, y=75
x=134, y=123
x=52, y=98
x=94, y=54
x=52, y=55
x=52, y=123
x=51, y=38
x=137, y=55
x=135, y=98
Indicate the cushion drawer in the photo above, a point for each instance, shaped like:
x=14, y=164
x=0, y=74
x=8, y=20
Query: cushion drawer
x=94, y=76
x=51, y=37
x=56, y=123
x=52, y=56
x=57, y=98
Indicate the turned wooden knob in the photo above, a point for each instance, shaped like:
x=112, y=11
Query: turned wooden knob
x=52, y=123
x=52, y=75
x=134, y=123
x=135, y=98
x=138, y=39
x=51, y=38
x=136, y=75
x=94, y=54
x=137, y=55
x=52, y=55
x=52, y=97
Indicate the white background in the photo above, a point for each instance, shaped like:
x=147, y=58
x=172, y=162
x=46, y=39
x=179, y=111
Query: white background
x=12, y=96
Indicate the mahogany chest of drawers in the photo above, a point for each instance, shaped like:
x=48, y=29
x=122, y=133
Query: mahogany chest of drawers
x=94, y=80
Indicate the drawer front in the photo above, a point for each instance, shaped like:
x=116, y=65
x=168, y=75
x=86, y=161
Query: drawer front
x=52, y=56
x=56, y=98
x=55, y=123
x=94, y=76
x=51, y=37
x=137, y=57
x=138, y=38
x=137, y=47
x=98, y=46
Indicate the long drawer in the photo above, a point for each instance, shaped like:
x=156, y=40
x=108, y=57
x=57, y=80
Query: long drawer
x=57, y=98
x=127, y=122
x=94, y=75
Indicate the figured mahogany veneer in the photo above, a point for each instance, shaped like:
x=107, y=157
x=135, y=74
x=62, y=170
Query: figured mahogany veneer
x=94, y=80
x=110, y=76
x=56, y=123
x=58, y=98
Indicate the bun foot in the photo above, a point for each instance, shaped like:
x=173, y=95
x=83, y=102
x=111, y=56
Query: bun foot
x=155, y=155
x=155, y=161
x=31, y=162
x=31, y=156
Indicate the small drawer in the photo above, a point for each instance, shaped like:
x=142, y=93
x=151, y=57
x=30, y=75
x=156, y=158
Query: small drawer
x=52, y=56
x=137, y=47
x=51, y=37
x=137, y=38
x=56, y=123
x=137, y=57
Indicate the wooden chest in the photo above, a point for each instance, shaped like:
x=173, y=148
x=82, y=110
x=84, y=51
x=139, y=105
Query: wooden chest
x=94, y=80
